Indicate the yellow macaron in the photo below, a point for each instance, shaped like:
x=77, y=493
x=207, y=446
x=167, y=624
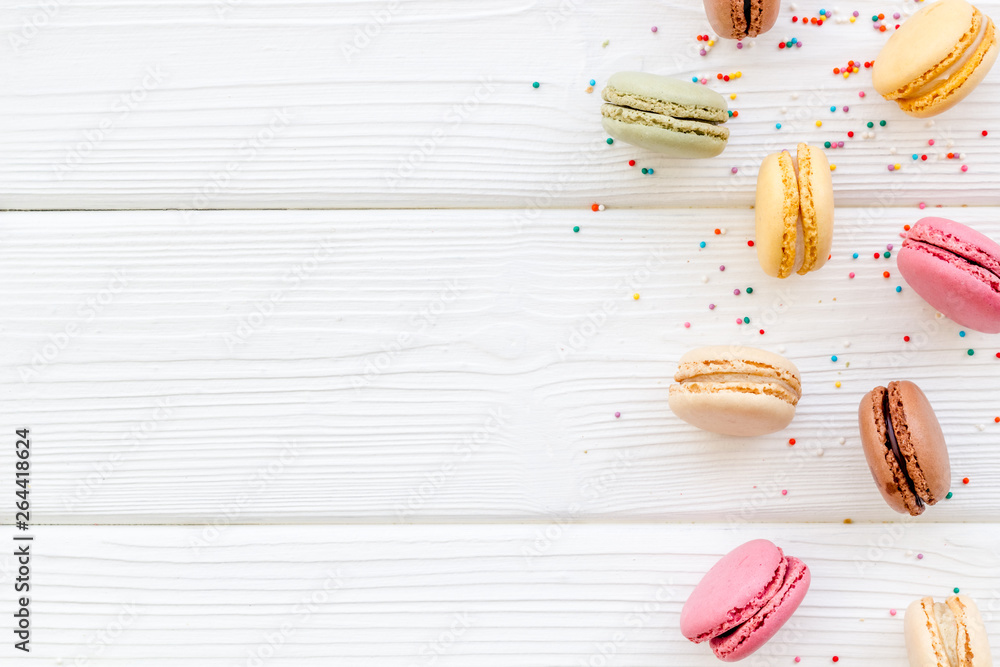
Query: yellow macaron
x=794, y=212
x=936, y=58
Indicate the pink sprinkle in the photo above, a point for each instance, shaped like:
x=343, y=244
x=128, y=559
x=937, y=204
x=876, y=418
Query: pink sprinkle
x=861, y=94
x=704, y=81
x=687, y=325
x=654, y=28
x=892, y=612
x=702, y=52
x=920, y=556
x=846, y=108
x=739, y=320
x=739, y=45
x=711, y=306
x=965, y=167
x=930, y=142
x=892, y=167
x=855, y=14
x=784, y=492
x=889, y=247
x=736, y=292
x=617, y=415
x=851, y=274
x=895, y=15
x=922, y=206
x=840, y=144
x=734, y=170
x=797, y=658
x=722, y=268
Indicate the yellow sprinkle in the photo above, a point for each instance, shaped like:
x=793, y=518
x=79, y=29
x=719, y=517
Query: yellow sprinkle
x=590, y=89
x=853, y=19
x=636, y=296
x=855, y=70
x=819, y=123
x=739, y=75
x=837, y=385
x=833, y=167
x=898, y=166
x=733, y=96
x=711, y=42
x=847, y=74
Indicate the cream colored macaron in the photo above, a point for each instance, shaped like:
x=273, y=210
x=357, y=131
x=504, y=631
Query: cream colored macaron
x=735, y=390
x=948, y=634
x=794, y=212
x=938, y=56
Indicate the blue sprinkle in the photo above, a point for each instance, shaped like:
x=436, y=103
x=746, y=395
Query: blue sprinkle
x=899, y=289
x=855, y=255
x=962, y=334
x=694, y=79
x=651, y=171
x=702, y=244
x=833, y=358
x=916, y=157
x=833, y=108
x=593, y=82
x=777, y=126
x=822, y=12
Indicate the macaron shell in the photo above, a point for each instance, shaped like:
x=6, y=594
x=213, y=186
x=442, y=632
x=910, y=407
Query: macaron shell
x=966, y=293
x=816, y=203
x=754, y=633
x=731, y=412
x=961, y=84
x=727, y=18
x=888, y=475
x=763, y=15
x=777, y=214
x=921, y=441
x=922, y=42
x=738, y=586
x=645, y=91
x=674, y=143
x=952, y=633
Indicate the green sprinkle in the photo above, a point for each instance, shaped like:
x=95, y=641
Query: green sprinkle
x=826, y=145
x=881, y=123
x=948, y=497
x=887, y=254
x=971, y=352
x=956, y=590
x=535, y=84
x=746, y=320
x=870, y=124
x=645, y=171
x=875, y=19
x=610, y=141
x=749, y=290
x=576, y=228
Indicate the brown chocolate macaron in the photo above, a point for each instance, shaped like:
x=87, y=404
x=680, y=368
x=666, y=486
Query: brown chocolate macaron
x=905, y=447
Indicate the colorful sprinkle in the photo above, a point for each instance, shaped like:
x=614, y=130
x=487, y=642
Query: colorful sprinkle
x=833, y=358
x=965, y=480
x=610, y=141
x=955, y=590
x=535, y=84
x=576, y=228
x=702, y=244
x=949, y=496
x=899, y=288
x=635, y=296
x=971, y=352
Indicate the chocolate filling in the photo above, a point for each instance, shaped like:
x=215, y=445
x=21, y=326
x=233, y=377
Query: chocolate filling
x=746, y=15
x=894, y=446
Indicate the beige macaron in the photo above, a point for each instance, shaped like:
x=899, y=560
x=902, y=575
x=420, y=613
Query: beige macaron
x=938, y=56
x=794, y=212
x=948, y=634
x=735, y=390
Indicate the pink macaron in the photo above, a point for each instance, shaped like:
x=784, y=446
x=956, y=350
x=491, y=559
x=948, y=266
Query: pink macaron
x=955, y=269
x=745, y=599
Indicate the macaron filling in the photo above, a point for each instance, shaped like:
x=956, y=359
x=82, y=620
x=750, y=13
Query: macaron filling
x=893, y=443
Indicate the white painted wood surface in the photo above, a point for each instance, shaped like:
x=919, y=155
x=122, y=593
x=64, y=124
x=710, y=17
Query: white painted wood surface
x=240, y=104
x=339, y=374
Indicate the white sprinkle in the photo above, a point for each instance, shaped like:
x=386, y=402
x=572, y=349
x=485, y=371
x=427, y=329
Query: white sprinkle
x=929, y=123
x=847, y=343
x=909, y=554
x=781, y=348
x=892, y=151
x=600, y=207
x=793, y=7
x=795, y=96
x=704, y=279
x=981, y=427
x=784, y=109
x=950, y=143
x=723, y=230
x=819, y=452
x=843, y=441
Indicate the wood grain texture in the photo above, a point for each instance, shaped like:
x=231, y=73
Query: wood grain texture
x=367, y=366
x=271, y=104
x=495, y=595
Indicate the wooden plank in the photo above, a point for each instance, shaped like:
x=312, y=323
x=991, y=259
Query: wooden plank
x=370, y=366
x=471, y=594
x=271, y=104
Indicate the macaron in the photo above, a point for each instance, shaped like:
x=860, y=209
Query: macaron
x=677, y=118
x=949, y=634
x=938, y=56
x=794, y=212
x=955, y=269
x=904, y=447
x=735, y=390
x=739, y=19
x=745, y=599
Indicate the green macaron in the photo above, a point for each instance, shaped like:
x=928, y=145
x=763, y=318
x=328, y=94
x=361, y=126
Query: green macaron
x=677, y=118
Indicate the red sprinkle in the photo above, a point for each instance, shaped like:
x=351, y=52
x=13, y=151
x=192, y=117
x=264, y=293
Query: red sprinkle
x=877, y=255
x=850, y=135
x=718, y=231
x=836, y=659
x=750, y=243
x=885, y=274
x=795, y=19
x=906, y=339
x=985, y=133
x=906, y=228
x=791, y=441
x=965, y=480
x=595, y=207
x=631, y=163
x=761, y=332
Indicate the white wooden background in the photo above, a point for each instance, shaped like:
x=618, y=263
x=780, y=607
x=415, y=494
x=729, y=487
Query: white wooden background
x=387, y=437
